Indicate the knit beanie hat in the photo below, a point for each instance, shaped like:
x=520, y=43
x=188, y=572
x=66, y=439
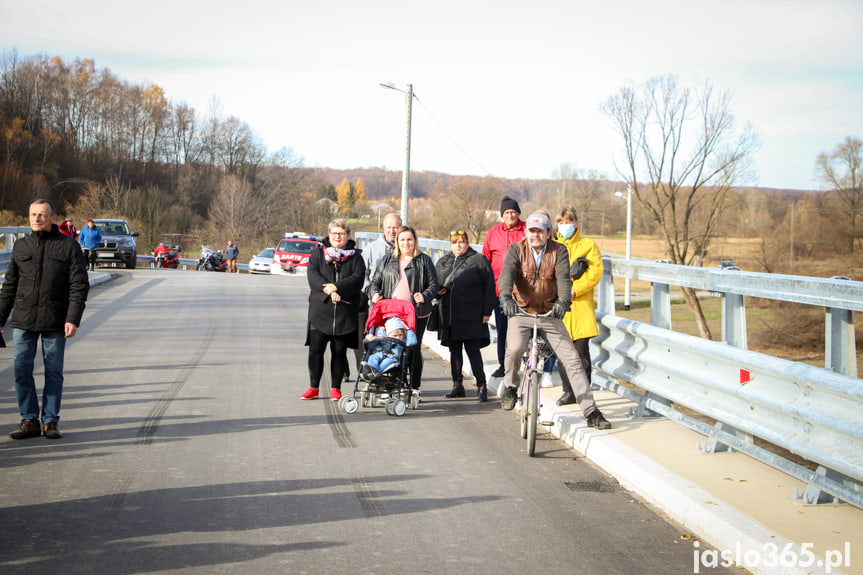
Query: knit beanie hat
x=393, y=324
x=507, y=203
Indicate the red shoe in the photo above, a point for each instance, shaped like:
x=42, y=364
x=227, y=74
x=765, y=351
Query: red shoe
x=335, y=394
x=310, y=393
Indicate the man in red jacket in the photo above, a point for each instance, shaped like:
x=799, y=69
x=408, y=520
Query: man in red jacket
x=497, y=242
x=67, y=228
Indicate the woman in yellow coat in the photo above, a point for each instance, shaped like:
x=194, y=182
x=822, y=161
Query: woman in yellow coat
x=585, y=263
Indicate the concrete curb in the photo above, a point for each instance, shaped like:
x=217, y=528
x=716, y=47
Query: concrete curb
x=101, y=277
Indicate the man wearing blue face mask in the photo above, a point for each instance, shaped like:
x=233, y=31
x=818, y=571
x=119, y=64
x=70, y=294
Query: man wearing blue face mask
x=585, y=263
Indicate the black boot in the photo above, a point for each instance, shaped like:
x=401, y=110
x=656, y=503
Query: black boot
x=456, y=391
x=482, y=393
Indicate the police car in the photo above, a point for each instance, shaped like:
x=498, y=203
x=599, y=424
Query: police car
x=292, y=253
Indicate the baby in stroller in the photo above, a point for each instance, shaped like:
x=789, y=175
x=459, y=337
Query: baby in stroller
x=384, y=377
x=384, y=347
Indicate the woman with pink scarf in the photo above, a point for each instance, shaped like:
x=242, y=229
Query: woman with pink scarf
x=336, y=274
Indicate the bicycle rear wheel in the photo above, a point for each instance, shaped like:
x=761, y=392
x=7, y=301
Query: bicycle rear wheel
x=532, y=410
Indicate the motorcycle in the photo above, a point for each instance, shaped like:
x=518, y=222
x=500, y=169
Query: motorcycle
x=170, y=259
x=211, y=260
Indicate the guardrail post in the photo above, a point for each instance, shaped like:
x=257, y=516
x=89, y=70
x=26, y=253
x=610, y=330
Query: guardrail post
x=734, y=320
x=660, y=305
x=814, y=495
x=606, y=288
x=715, y=445
x=840, y=348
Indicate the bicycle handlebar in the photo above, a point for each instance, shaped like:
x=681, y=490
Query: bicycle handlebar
x=528, y=314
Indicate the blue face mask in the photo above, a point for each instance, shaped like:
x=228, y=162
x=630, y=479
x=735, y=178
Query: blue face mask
x=566, y=230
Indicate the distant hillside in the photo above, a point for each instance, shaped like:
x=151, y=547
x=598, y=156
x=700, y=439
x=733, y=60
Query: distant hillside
x=381, y=184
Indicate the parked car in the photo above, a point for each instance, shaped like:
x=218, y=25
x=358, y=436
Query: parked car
x=262, y=263
x=117, y=245
x=728, y=265
x=292, y=253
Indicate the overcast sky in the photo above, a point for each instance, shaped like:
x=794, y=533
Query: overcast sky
x=506, y=88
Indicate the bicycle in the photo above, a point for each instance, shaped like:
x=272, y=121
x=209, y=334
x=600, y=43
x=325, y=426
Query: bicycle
x=536, y=352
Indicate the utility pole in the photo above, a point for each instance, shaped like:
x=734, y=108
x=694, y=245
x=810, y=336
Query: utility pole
x=406, y=174
x=791, y=255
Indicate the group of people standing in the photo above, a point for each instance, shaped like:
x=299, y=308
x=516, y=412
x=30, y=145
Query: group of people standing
x=523, y=265
x=344, y=281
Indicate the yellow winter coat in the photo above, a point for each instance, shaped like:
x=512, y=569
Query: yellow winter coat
x=580, y=321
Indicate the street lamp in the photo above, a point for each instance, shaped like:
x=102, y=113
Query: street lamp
x=406, y=174
x=627, y=282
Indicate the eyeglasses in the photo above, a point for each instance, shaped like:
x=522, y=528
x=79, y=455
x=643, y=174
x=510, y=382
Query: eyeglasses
x=338, y=233
x=457, y=233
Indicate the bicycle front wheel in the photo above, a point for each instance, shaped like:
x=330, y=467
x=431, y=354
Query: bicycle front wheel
x=523, y=390
x=531, y=409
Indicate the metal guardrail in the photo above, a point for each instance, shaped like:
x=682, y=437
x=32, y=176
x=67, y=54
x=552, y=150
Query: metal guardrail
x=810, y=411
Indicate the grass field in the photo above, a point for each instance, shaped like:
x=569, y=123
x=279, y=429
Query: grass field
x=760, y=319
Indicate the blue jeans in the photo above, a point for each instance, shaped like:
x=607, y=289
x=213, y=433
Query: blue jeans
x=53, y=350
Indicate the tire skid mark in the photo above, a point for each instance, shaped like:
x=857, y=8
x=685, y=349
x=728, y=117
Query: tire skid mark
x=154, y=418
x=114, y=502
x=367, y=497
x=335, y=418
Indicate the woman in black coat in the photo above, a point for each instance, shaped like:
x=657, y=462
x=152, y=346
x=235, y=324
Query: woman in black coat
x=408, y=274
x=336, y=274
x=467, y=298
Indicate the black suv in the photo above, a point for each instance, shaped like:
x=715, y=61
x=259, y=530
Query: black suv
x=117, y=245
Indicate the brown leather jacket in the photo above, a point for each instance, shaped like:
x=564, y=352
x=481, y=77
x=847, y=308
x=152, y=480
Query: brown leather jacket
x=536, y=291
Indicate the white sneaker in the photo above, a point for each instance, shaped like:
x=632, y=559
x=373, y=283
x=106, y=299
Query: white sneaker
x=418, y=395
x=546, y=380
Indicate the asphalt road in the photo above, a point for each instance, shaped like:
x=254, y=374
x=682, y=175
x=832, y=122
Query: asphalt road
x=187, y=450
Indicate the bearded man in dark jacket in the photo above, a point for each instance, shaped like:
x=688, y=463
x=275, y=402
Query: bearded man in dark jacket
x=45, y=291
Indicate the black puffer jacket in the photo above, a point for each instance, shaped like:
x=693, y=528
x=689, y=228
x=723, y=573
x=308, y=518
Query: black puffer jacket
x=469, y=296
x=348, y=275
x=46, y=283
x=421, y=278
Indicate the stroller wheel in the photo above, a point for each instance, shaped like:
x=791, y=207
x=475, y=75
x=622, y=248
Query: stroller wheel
x=390, y=406
x=399, y=407
x=349, y=404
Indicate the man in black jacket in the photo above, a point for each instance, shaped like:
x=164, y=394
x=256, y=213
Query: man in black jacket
x=45, y=291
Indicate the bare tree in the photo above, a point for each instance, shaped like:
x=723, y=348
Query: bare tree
x=464, y=205
x=234, y=209
x=841, y=172
x=682, y=154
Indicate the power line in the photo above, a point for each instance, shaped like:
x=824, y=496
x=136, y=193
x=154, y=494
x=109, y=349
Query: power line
x=450, y=136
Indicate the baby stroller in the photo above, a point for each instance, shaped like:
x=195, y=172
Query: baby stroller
x=390, y=388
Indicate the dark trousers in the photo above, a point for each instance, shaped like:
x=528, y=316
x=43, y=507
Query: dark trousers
x=500, y=323
x=417, y=363
x=359, y=352
x=90, y=256
x=474, y=355
x=338, y=357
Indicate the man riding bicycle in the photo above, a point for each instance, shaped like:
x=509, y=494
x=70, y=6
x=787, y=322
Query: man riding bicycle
x=536, y=277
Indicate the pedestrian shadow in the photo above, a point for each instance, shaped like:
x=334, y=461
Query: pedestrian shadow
x=130, y=531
